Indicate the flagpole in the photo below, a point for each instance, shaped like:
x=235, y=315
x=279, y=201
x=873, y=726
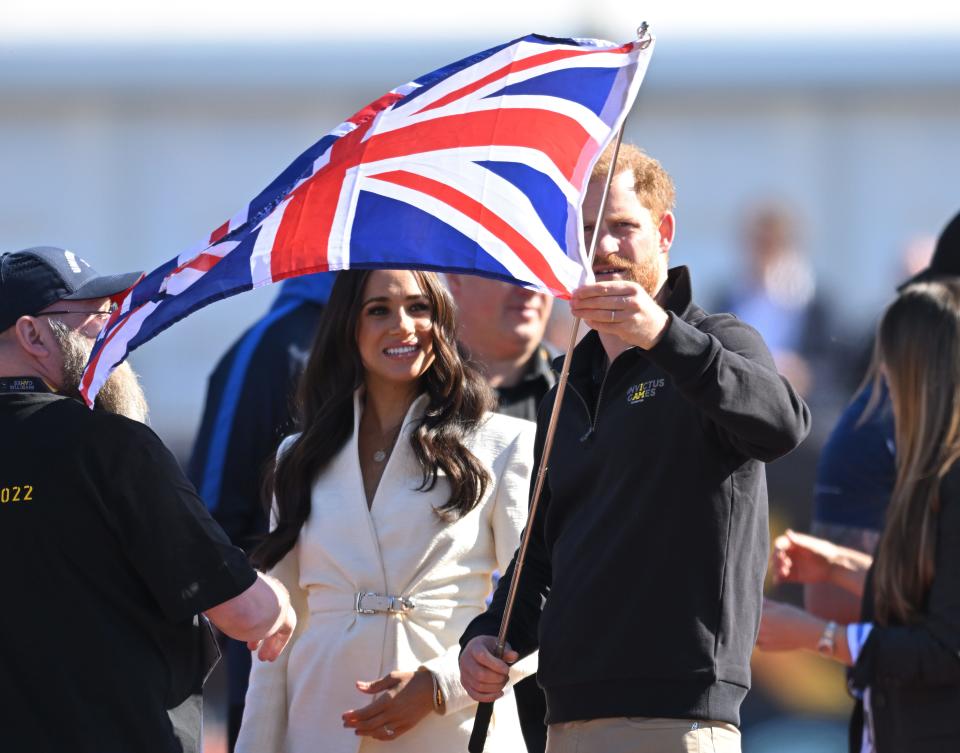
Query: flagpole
x=485, y=710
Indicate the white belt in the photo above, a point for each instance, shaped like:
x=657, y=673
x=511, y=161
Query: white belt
x=330, y=600
x=371, y=603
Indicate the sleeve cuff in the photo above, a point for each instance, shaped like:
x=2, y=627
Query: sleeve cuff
x=446, y=668
x=232, y=578
x=524, y=668
x=857, y=634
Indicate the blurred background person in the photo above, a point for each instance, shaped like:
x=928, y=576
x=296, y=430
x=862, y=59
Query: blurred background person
x=776, y=292
x=856, y=472
x=248, y=409
x=904, y=648
x=394, y=504
x=774, y=288
x=503, y=327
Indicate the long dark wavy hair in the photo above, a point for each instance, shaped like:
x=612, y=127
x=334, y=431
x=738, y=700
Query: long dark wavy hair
x=458, y=397
x=918, y=351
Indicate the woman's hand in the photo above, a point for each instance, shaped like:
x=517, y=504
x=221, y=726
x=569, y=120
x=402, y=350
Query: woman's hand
x=407, y=698
x=784, y=627
x=799, y=558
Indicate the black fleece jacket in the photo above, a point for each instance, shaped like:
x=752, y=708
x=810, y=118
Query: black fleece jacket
x=650, y=542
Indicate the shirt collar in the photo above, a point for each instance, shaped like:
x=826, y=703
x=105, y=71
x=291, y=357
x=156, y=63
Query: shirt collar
x=18, y=384
x=538, y=367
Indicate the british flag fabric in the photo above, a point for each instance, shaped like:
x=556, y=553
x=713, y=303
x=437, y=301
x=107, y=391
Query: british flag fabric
x=478, y=167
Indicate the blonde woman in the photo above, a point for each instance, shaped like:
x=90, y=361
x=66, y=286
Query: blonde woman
x=905, y=651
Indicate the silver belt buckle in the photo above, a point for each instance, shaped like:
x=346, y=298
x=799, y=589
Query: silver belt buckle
x=358, y=603
x=381, y=603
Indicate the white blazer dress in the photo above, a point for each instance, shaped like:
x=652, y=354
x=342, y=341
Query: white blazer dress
x=398, y=547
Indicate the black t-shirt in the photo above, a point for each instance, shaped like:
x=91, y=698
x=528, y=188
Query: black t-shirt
x=107, y=554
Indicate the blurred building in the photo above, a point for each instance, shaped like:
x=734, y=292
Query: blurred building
x=131, y=154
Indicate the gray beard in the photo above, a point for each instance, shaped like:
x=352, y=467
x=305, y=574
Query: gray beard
x=120, y=394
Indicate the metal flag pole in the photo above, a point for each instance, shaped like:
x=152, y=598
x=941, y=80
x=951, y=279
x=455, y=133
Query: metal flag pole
x=481, y=721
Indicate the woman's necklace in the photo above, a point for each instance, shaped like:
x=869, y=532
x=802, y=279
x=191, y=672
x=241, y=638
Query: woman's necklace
x=383, y=453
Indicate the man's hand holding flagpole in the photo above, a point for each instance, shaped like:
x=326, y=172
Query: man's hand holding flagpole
x=502, y=654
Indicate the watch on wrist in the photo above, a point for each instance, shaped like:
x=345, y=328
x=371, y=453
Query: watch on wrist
x=827, y=644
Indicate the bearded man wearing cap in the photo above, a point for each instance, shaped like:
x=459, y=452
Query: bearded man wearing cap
x=109, y=558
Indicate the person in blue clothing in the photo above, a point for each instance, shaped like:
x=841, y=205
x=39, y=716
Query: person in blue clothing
x=246, y=413
x=902, y=651
x=856, y=471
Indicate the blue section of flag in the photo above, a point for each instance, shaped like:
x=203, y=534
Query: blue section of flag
x=416, y=239
x=229, y=277
x=545, y=195
x=589, y=87
x=267, y=200
x=550, y=41
x=148, y=289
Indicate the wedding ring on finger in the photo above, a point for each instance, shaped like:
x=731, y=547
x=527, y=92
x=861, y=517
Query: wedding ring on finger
x=612, y=315
x=389, y=731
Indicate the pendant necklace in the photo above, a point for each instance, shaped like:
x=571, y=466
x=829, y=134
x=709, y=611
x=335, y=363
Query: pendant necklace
x=380, y=455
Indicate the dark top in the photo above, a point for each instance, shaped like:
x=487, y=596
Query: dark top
x=650, y=543
x=107, y=555
x=522, y=399
x=913, y=671
x=248, y=410
x=857, y=467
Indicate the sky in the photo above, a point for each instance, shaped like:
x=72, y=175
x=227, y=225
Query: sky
x=243, y=21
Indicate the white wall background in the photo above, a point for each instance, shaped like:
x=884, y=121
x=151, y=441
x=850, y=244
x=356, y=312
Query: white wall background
x=129, y=137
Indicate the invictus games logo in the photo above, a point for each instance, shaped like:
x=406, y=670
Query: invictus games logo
x=640, y=392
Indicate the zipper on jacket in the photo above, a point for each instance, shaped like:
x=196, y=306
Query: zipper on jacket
x=586, y=409
x=596, y=411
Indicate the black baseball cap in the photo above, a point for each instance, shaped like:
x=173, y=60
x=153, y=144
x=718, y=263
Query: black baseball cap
x=34, y=278
x=946, y=256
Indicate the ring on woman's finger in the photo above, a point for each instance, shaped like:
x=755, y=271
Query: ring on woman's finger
x=612, y=315
x=389, y=731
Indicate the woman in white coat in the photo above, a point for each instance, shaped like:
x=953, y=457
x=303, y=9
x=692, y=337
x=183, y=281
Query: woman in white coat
x=392, y=508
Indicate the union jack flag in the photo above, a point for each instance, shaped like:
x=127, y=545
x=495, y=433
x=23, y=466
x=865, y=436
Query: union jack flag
x=479, y=167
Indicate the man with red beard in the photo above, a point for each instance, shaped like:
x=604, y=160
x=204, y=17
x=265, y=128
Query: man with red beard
x=642, y=586
x=106, y=551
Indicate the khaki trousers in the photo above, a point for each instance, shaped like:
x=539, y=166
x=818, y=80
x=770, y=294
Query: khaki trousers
x=643, y=735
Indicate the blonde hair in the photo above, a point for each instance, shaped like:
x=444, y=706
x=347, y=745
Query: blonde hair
x=918, y=351
x=652, y=183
